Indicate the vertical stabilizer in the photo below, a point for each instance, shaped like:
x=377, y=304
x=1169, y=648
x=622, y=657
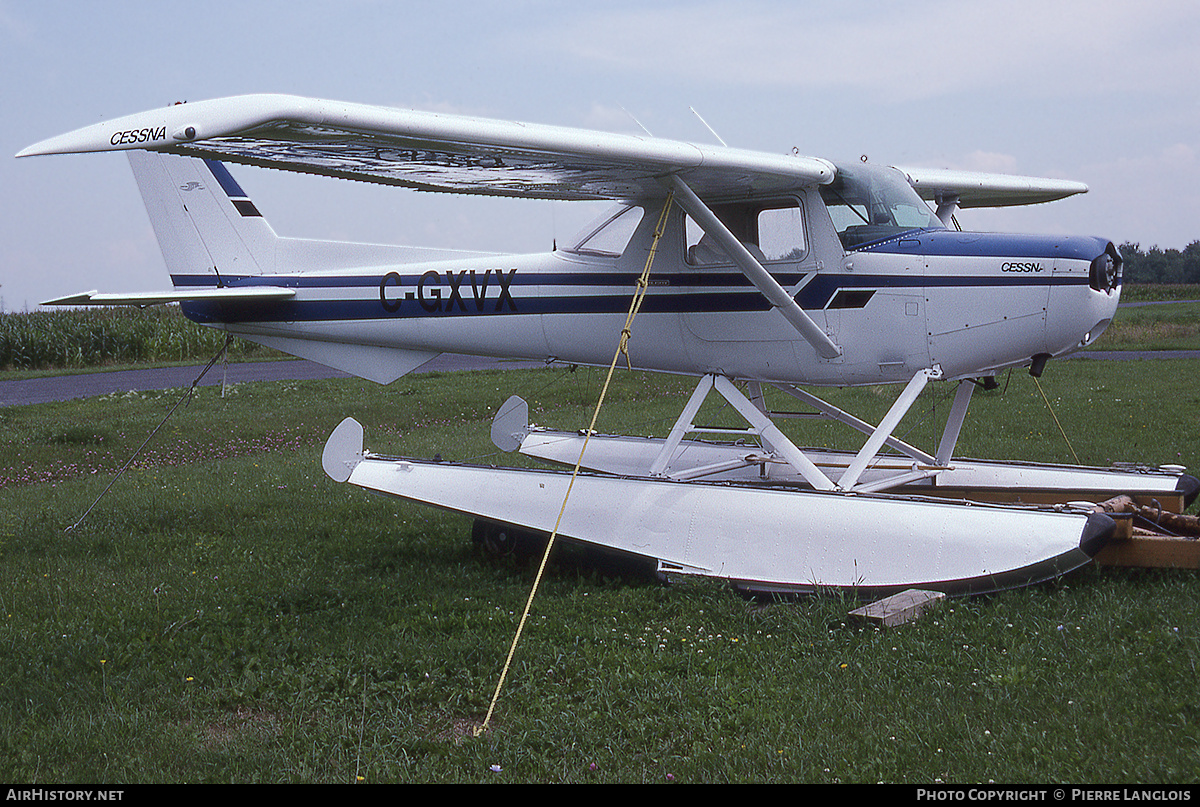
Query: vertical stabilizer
x=208, y=229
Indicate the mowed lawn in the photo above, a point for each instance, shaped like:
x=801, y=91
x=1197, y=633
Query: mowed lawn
x=226, y=613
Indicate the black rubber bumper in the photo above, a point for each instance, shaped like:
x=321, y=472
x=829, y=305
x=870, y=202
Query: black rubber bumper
x=1096, y=534
x=1189, y=486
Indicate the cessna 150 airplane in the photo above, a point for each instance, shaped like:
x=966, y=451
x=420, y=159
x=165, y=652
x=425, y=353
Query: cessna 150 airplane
x=767, y=270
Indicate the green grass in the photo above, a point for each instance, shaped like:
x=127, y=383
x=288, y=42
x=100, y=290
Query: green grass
x=1169, y=326
x=1173, y=325
x=228, y=614
x=1148, y=292
x=81, y=338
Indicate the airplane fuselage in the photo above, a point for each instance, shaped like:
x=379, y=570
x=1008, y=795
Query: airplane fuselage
x=967, y=304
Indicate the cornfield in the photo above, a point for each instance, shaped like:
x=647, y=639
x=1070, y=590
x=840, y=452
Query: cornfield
x=82, y=337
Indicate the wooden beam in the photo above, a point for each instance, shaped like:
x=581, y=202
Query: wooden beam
x=1151, y=552
x=899, y=608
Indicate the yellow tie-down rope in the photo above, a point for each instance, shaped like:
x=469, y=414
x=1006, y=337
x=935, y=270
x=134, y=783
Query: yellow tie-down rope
x=622, y=348
x=1056, y=423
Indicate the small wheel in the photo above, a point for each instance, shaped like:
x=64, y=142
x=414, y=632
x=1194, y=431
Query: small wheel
x=505, y=540
x=496, y=540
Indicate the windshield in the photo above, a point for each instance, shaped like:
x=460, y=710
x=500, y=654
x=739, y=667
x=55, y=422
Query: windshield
x=870, y=203
x=610, y=234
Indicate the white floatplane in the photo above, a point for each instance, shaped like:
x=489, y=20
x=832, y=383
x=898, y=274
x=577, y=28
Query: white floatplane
x=765, y=270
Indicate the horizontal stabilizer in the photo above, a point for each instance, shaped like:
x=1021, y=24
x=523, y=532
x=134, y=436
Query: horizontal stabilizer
x=256, y=293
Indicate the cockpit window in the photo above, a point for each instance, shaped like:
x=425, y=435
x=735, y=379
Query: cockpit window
x=771, y=231
x=610, y=234
x=870, y=204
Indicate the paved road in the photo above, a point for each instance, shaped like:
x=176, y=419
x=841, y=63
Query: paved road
x=1154, y=302
x=66, y=387
x=85, y=385
x=1136, y=355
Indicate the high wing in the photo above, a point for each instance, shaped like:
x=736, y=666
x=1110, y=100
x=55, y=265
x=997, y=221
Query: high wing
x=438, y=152
x=975, y=189
x=458, y=154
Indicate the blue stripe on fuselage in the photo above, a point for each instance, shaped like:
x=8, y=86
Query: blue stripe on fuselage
x=450, y=292
x=818, y=292
x=951, y=243
x=573, y=279
x=814, y=296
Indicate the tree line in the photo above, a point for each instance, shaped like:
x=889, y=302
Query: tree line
x=1157, y=265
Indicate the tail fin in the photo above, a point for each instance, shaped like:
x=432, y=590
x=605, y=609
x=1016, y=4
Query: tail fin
x=208, y=229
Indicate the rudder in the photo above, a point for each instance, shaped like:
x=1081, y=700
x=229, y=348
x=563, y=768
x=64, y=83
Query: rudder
x=208, y=229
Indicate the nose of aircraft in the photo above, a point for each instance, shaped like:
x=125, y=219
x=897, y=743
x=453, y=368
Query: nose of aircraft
x=1078, y=313
x=1105, y=272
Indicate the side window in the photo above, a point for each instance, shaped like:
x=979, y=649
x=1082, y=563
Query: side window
x=772, y=232
x=781, y=233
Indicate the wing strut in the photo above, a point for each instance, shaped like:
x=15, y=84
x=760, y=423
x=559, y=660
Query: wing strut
x=753, y=270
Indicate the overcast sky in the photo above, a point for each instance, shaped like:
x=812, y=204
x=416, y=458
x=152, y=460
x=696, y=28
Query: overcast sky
x=1103, y=93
